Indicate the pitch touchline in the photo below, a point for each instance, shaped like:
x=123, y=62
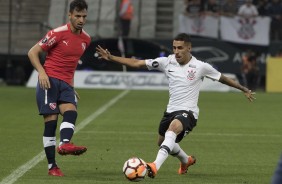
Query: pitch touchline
x=19, y=172
x=192, y=134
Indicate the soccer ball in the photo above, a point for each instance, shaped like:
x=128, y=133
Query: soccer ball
x=134, y=169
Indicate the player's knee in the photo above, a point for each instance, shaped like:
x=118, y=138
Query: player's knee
x=175, y=126
x=50, y=117
x=70, y=117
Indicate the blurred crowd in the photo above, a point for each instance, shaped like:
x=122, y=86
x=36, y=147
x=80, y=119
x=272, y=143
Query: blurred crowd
x=243, y=8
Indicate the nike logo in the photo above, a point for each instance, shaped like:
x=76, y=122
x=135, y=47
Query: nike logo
x=170, y=71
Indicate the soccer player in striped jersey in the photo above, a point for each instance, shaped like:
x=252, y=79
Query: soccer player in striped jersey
x=55, y=93
x=185, y=74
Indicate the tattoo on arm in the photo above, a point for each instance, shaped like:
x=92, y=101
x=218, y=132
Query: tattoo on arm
x=230, y=82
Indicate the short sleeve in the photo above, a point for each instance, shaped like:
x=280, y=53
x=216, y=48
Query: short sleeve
x=157, y=64
x=211, y=72
x=49, y=41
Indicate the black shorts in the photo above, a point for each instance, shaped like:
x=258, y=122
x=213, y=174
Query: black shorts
x=185, y=117
x=48, y=100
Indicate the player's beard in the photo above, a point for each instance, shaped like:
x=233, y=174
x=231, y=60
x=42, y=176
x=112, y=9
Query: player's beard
x=79, y=27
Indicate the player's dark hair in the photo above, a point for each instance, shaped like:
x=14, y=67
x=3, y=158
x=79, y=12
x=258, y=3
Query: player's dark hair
x=183, y=37
x=78, y=5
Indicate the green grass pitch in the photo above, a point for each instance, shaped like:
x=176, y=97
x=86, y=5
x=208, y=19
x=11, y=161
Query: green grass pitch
x=235, y=141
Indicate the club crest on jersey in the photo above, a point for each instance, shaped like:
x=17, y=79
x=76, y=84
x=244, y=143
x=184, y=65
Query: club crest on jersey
x=53, y=106
x=83, y=45
x=191, y=74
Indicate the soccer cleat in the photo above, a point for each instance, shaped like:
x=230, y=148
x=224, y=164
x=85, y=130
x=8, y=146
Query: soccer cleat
x=152, y=170
x=55, y=171
x=71, y=149
x=184, y=167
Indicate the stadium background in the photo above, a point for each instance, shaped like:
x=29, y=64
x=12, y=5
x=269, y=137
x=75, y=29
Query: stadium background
x=24, y=22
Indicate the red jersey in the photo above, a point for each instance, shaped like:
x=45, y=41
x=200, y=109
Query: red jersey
x=64, y=50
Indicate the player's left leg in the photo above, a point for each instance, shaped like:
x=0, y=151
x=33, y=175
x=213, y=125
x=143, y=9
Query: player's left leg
x=67, y=126
x=67, y=130
x=179, y=153
x=67, y=106
x=185, y=160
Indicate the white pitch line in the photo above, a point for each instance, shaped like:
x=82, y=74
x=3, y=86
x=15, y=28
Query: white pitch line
x=19, y=172
x=192, y=134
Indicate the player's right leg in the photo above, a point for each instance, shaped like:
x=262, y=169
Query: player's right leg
x=47, y=106
x=189, y=122
x=49, y=143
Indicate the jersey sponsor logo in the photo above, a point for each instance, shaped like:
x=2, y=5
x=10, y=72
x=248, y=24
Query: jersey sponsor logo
x=155, y=64
x=51, y=41
x=191, y=74
x=83, y=45
x=65, y=42
x=53, y=106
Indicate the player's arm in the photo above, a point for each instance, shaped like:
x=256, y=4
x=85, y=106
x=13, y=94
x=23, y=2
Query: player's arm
x=230, y=82
x=105, y=54
x=33, y=55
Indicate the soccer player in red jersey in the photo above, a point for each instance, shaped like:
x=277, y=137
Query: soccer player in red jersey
x=55, y=93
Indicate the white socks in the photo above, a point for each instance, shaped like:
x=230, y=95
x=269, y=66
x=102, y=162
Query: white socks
x=179, y=153
x=167, y=146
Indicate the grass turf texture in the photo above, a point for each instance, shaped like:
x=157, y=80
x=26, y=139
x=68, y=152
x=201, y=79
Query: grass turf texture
x=235, y=142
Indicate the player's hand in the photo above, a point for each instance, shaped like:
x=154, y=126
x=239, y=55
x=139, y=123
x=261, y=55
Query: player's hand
x=76, y=94
x=103, y=53
x=43, y=80
x=250, y=95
